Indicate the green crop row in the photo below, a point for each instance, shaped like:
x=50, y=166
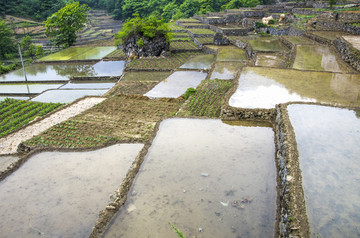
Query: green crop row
x=174, y=61
x=183, y=45
x=207, y=100
x=14, y=114
x=205, y=40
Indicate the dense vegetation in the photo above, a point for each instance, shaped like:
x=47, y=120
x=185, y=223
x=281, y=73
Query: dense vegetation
x=64, y=24
x=174, y=9
x=124, y=9
x=17, y=113
x=143, y=27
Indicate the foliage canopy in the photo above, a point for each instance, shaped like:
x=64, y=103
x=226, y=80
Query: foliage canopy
x=7, y=44
x=64, y=24
x=146, y=28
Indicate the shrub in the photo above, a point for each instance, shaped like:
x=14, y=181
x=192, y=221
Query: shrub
x=272, y=22
x=145, y=27
x=189, y=92
x=259, y=24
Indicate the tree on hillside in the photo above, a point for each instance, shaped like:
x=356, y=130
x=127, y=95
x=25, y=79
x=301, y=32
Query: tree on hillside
x=64, y=24
x=7, y=44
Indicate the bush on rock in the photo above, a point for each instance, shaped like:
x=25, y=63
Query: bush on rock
x=144, y=37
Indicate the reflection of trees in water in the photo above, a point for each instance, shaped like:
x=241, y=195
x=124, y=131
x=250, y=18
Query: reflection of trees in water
x=36, y=69
x=75, y=70
x=357, y=113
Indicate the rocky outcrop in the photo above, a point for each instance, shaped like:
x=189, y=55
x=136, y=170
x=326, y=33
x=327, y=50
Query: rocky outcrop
x=219, y=39
x=156, y=46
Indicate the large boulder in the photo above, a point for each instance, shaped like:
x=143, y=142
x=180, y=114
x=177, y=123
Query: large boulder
x=156, y=46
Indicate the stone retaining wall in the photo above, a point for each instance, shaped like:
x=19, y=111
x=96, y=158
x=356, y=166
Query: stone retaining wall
x=293, y=218
x=316, y=38
x=348, y=53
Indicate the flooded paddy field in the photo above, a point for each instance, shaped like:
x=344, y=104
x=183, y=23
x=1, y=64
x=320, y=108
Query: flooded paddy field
x=199, y=62
x=63, y=71
x=319, y=58
x=261, y=87
x=79, y=53
x=176, y=84
x=12, y=89
x=270, y=60
x=226, y=70
x=328, y=143
x=217, y=180
x=67, y=95
x=59, y=194
x=272, y=44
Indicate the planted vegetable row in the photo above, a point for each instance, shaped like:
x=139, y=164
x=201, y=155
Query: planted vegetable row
x=17, y=113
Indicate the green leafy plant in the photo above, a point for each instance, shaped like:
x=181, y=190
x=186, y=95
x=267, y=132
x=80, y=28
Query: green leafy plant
x=189, y=92
x=144, y=27
x=259, y=24
x=177, y=231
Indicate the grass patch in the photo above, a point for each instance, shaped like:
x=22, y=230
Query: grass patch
x=15, y=114
x=207, y=100
x=200, y=31
x=175, y=27
x=205, y=40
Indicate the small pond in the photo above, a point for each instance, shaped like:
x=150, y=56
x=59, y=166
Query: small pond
x=67, y=95
x=216, y=180
x=176, y=84
x=26, y=88
x=60, y=194
x=328, y=143
x=318, y=58
x=267, y=44
x=199, y=62
x=231, y=53
x=261, y=87
x=226, y=70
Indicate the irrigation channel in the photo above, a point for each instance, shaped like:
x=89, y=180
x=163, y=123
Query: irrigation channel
x=264, y=147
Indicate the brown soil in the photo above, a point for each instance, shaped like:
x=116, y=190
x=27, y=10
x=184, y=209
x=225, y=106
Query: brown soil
x=122, y=118
x=131, y=88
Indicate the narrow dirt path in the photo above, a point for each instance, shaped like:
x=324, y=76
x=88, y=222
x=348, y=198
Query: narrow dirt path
x=9, y=144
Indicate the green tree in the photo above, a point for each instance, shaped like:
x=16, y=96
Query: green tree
x=64, y=24
x=7, y=44
x=169, y=11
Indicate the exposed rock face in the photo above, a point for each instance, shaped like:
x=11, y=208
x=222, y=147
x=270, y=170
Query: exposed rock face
x=151, y=47
x=219, y=39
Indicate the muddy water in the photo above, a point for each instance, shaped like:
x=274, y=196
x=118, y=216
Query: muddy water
x=60, y=194
x=88, y=85
x=231, y=53
x=270, y=60
x=79, y=53
x=199, y=62
x=176, y=84
x=67, y=96
x=62, y=72
x=226, y=70
x=328, y=142
x=26, y=88
x=66, y=54
x=300, y=40
x=95, y=53
x=109, y=68
x=193, y=173
x=318, y=58
x=267, y=44
x=265, y=87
